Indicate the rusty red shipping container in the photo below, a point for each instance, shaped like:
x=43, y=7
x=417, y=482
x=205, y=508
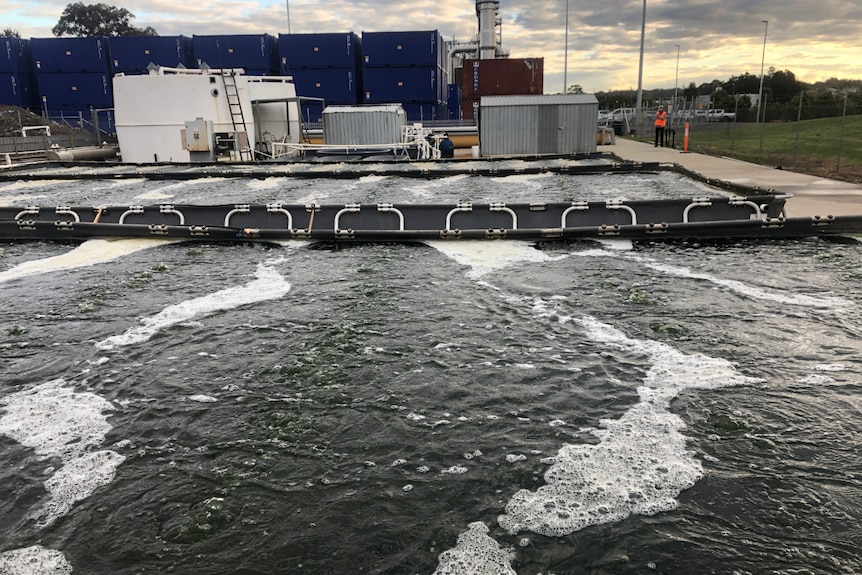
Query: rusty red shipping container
x=503, y=77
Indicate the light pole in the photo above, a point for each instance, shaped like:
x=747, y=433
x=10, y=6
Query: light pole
x=676, y=79
x=566, y=54
x=762, y=60
x=288, y=16
x=638, y=112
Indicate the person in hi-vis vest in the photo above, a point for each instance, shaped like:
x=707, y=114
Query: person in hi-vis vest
x=660, y=123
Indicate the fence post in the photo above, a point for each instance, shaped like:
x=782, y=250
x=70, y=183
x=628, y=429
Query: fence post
x=798, y=119
x=841, y=136
x=762, y=128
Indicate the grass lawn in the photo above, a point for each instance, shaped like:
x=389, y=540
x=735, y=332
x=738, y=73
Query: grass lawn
x=819, y=147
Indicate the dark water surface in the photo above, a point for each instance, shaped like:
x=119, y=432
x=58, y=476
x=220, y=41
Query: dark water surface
x=474, y=407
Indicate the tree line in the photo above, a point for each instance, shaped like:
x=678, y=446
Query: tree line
x=782, y=93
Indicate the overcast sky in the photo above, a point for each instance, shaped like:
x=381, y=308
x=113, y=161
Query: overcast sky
x=717, y=38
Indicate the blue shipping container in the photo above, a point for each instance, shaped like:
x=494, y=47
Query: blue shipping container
x=70, y=54
x=19, y=89
x=78, y=90
x=16, y=56
x=382, y=85
x=250, y=51
x=133, y=54
x=324, y=50
x=335, y=85
x=424, y=48
x=424, y=111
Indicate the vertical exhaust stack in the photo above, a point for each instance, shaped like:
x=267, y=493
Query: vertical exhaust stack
x=487, y=11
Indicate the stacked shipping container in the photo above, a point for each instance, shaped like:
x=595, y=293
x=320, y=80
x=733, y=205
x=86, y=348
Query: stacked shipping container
x=406, y=68
x=501, y=77
x=257, y=54
x=73, y=77
x=134, y=54
x=17, y=80
x=326, y=66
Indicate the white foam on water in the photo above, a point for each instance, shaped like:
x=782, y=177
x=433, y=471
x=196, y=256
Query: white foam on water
x=25, y=184
x=35, y=560
x=58, y=422
x=89, y=253
x=267, y=285
x=267, y=183
x=201, y=398
x=476, y=554
x=830, y=367
x=522, y=178
x=802, y=300
x=429, y=188
x=484, y=257
x=169, y=191
x=641, y=463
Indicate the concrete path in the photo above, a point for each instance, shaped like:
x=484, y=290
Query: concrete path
x=812, y=195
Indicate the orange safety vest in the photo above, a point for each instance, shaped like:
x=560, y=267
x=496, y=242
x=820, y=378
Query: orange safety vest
x=661, y=119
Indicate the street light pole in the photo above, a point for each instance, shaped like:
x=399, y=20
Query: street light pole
x=638, y=112
x=762, y=60
x=566, y=56
x=676, y=79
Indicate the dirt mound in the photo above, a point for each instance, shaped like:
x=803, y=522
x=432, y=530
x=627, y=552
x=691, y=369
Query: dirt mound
x=13, y=118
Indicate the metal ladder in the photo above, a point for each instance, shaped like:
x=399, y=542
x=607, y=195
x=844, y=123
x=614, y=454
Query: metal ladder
x=237, y=117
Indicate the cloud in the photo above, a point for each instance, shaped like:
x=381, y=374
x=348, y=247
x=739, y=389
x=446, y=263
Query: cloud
x=717, y=38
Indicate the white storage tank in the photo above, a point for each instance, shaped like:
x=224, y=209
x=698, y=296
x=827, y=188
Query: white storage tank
x=363, y=125
x=538, y=125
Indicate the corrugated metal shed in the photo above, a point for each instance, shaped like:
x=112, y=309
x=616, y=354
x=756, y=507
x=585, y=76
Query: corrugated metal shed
x=360, y=125
x=538, y=125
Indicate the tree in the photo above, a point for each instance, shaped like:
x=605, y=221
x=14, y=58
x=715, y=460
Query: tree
x=10, y=33
x=97, y=20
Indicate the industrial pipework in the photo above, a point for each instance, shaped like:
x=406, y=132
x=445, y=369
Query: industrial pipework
x=487, y=12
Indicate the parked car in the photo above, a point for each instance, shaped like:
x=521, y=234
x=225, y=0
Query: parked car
x=719, y=115
x=604, y=116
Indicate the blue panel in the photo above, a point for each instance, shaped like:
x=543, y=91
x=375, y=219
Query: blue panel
x=453, y=102
x=381, y=85
x=18, y=89
x=132, y=54
x=335, y=85
x=77, y=90
x=424, y=111
x=70, y=54
x=249, y=51
x=16, y=56
x=312, y=112
x=380, y=49
x=325, y=50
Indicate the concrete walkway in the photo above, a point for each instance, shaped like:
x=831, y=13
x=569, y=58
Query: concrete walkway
x=812, y=195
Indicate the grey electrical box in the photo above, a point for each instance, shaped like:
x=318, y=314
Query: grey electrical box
x=199, y=139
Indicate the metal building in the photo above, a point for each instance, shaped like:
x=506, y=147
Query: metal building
x=363, y=125
x=537, y=125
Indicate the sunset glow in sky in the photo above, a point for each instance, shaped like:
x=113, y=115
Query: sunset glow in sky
x=717, y=38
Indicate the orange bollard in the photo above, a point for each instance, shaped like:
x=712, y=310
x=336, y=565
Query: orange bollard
x=685, y=140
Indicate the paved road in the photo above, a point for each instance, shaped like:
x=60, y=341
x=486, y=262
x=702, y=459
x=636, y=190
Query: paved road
x=812, y=195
